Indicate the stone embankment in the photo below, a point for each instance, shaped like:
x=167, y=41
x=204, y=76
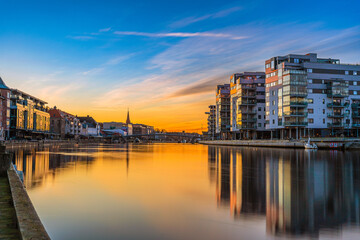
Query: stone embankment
x=18, y=218
x=325, y=143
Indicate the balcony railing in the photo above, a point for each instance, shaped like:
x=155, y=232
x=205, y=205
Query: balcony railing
x=248, y=119
x=334, y=115
x=250, y=102
x=355, y=115
x=248, y=112
x=356, y=125
x=355, y=105
x=337, y=105
x=296, y=114
x=295, y=124
x=248, y=96
x=336, y=125
x=298, y=103
x=337, y=95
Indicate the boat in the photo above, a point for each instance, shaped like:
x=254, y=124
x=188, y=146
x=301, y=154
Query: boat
x=310, y=145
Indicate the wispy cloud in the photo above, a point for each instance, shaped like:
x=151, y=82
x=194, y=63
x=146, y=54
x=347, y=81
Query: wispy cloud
x=83, y=38
x=105, y=29
x=181, y=34
x=111, y=62
x=194, y=19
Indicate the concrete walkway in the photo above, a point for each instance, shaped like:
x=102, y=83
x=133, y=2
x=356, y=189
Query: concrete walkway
x=8, y=222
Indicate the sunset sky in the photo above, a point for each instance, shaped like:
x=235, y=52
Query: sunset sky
x=162, y=59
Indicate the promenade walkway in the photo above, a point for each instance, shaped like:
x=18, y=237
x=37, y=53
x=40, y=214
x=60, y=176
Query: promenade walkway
x=8, y=225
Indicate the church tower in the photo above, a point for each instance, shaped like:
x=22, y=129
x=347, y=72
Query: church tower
x=128, y=118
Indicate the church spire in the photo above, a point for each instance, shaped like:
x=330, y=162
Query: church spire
x=128, y=117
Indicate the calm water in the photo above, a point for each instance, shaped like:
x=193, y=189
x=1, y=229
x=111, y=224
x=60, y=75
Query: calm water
x=184, y=191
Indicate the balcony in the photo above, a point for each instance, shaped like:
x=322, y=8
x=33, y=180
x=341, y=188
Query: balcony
x=355, y=115
x=248, y=87
x=337, y=95
x=298, y=103
x=336, y=125
x=337, y=105
x=250, y=102
x=335, y=115
x=355, y=105
x=249, y=96
x=296, y=114
x=356, y=125
x=248, y=119
x=295, y=124
x=246, y=127
x=248, y=112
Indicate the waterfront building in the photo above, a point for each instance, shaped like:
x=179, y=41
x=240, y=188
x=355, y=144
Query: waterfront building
x=126, y=127
x=211, y=122
x=4, y=110
x=311, y=96
x=142, y=129
x=28, y=116
x=247, y=105
x=223, y=111
x=89, y=126
x=64, y=124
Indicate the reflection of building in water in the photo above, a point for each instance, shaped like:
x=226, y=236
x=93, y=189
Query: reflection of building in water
x=39, y=165
x=240, y=179
x=301, y=192
x=309, y=191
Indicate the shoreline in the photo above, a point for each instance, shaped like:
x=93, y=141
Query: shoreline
x=330, y=143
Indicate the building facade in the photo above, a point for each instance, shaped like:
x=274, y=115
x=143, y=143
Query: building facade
x=28, y=116
x=311, y=96
x=211, y=122
x=4, y=110
x=89, y=126
x=64, y=124
x=223, y=126
x=247, y=105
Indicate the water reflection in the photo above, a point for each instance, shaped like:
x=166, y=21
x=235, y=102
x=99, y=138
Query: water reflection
x=300, y=192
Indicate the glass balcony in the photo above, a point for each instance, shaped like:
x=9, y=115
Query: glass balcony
x=355, y=105
x=295, y=124
x=248, y=119
x=296, y=114
x=299, y=103
x=335, y=115
x=336, y=104
x=336, y=125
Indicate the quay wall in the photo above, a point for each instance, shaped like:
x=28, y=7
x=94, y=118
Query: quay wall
x=330, y=143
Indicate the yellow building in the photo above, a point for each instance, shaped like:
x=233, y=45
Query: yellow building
x=28, y=116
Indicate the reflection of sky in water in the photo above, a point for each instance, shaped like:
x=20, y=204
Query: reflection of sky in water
x=180, y=191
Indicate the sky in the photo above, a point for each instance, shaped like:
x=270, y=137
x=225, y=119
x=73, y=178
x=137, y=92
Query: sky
x=161, y=59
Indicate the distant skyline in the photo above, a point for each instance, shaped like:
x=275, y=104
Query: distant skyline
x=162, y=59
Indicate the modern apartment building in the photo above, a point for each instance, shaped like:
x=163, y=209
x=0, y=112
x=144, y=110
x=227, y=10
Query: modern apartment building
x=223, y=111
x=247, y=93
x=211, y=122
x=64, y=124
x=311, y=96
x=28, y=116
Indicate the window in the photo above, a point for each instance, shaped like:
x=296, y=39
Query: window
x=324, y=120
x=273, y=112
x=310, y=100
x=346, y=72
x=259, y=124
x=273, y=93
x=355, y=83
x=311, y=120
x=296, y=60
x=309, y=70
x=273, y=102
x=323, y=111
x=355, y=92
x=273, y=121
x=310, y=110
x=259, y=109
x=355, y=73
x=323, y=101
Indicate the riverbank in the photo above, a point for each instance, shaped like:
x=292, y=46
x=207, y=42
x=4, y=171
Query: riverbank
x=324, y=143
x=18, y=217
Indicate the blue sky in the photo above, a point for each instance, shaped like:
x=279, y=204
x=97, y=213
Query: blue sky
x=162, y=59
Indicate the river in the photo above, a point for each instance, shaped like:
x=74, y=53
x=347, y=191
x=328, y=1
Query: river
x=192, y=191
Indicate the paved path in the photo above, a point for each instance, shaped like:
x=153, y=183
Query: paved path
x=8, y=228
